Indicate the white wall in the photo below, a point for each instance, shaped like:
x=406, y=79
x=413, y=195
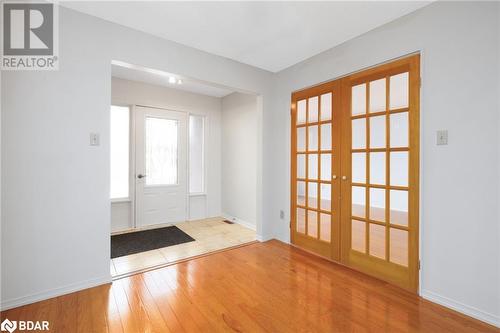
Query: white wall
x=55, y=187
x=125, y=92
x=48, y=166
x=460, y=245
x=239, y=157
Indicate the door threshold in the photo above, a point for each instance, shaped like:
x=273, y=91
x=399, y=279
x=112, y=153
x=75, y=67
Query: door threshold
x=143, y=270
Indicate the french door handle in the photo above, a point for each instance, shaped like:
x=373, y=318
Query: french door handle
x=344, y=177
x=140, y=176
x=334, y=177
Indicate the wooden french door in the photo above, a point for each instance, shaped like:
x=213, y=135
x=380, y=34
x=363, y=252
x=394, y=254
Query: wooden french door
x=374, y=172
x=315, y=187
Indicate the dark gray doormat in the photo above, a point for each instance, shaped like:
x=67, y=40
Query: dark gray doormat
x=140, y=241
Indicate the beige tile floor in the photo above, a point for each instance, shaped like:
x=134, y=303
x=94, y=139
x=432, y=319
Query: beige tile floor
x=210, y=235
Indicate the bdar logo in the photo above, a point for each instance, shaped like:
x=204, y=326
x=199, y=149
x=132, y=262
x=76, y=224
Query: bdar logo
x=8, y=325
x=24, y=325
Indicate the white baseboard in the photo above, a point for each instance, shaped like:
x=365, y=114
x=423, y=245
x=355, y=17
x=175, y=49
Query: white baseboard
x=462, y=308
x=41, y=296
x=239, y=221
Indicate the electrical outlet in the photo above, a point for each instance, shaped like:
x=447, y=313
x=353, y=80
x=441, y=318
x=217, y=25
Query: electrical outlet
x=442, y=138
x=282, y=214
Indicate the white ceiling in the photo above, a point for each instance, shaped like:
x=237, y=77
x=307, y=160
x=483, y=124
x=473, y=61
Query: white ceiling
x=153, y=76
x=268, y=35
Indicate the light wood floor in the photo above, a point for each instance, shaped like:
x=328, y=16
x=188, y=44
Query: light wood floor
x=262, y=287
x=210, y=235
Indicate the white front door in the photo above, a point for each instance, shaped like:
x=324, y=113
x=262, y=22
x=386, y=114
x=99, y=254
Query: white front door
x=161, y=166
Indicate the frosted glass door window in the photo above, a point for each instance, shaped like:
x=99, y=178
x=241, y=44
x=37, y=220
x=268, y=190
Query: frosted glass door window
x=377, y=132
x=161, y=151
x=326, y=137
x=301, y=111
x=377, y=95
x=119, y=151
x=399, y=91
x=196, y=153
x=313, y=109
x=326, y=106
x=358, y=101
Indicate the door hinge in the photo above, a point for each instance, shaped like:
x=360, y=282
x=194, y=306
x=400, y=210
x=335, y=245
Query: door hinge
x=290, y=225
x=419, y=265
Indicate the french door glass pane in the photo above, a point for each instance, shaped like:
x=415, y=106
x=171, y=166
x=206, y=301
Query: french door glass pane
x=326, y=137
x=325, y=227
x=377, y=241
x=398, y=247
x=358, y=201
x=301, y=166
x=377, y=132
x=301, y=112
x=301, y=139
x=161, y=151
x=377, y=95
x=312, y=223
x=326, y=106
x=313, y=138
x=399, y=207
x=313, y=166
x=358, y=99
x=377, y=168
x=313, y=109
x=399, y=168
x=359, y=133
x=399, y=129
x=326, y=197
x=301, y=193
x=312, y=200
x=358, y=168
x=301, y=220
x=399, y=91
x=377, y=204
x=326, y=166
x=358, y=238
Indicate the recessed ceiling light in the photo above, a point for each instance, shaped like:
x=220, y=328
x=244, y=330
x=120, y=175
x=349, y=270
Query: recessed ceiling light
x=179, y=81
x=171, y=80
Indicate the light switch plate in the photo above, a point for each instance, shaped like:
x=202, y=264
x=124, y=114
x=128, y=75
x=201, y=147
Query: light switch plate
x=442, y=137
x=94, y=139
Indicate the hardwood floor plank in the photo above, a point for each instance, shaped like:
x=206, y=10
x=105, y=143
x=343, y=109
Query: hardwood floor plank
x=182, y=303
x=147, y=315
x=160, y=296
x=127, y=314
x=114, y=319
x=84, y=321
x=213, y=301
x=65, y=317
x=262, y=287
